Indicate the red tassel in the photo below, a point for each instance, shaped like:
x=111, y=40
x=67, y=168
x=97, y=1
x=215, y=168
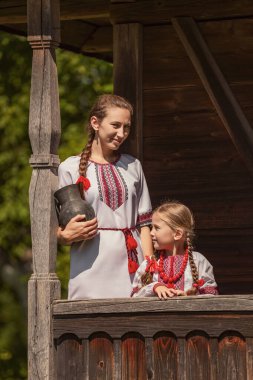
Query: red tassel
x=84, y=181
x=132, y=266
x=131, y=243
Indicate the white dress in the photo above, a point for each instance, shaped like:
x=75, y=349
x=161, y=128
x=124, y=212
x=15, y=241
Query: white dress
x=205, y=272
x=120, y=198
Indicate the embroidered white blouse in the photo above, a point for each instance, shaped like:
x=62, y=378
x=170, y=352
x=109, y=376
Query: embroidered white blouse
x=205, y=271
x=120, y=198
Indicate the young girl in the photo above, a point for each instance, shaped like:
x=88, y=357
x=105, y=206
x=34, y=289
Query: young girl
x=106, y=251
x=175, y=269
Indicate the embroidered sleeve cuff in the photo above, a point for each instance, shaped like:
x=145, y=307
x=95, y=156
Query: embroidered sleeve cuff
x=209, y=290
x=144, y=219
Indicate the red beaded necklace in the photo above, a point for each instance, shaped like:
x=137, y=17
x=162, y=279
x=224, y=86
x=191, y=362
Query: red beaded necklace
x=172, y=279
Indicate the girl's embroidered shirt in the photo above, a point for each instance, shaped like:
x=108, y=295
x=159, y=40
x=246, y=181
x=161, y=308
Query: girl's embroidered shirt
x=204, y=268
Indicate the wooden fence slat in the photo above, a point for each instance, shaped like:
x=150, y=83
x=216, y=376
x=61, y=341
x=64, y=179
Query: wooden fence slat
x=85, y=344
x=101, y=360
x=198, y=363
x=249, y=358
x=133, y=357
x=232, y=357
x=213, y=344
x=70, y=360
x=117, y=359
x=181, y=364
x=165, y=356
x=149, y=350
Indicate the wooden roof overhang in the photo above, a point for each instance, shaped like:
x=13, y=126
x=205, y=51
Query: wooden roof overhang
x=87, y=26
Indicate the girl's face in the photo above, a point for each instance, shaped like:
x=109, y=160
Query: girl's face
x=163, y=237
x=113, y=130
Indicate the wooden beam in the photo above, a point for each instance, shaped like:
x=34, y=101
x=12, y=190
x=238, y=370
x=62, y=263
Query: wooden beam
x=14, y=12
x=127, y=59
x=87, y=38
x=161, y=11
x=217, y=88
x=145, y=11
x=84, y=9
x=222, y=303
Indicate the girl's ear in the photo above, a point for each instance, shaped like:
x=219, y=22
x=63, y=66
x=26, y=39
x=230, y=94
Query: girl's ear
x=179, y=233
x=94, y=123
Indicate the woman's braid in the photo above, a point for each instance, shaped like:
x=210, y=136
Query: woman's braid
x=86, y=153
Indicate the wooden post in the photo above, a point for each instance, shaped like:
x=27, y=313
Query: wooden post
x=44, y=131
x=127, y=66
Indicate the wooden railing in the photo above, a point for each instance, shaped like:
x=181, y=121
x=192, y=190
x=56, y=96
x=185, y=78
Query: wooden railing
x=188, y=338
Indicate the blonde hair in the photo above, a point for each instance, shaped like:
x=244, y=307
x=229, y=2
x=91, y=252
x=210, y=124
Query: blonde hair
x=99, y=109
x=177, y=215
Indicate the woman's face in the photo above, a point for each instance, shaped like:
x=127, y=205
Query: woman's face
x=163, y=237
x=113, y=130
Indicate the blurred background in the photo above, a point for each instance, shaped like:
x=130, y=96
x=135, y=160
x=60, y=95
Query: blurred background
x=81, y=80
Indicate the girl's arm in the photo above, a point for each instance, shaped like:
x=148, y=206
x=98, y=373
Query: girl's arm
x=146, y=242
x=140, y=290
x=205, y=270
x=77, y=230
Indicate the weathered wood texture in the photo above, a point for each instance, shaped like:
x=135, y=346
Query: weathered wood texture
x=217, y=88
x=127, y=78
x=44, y=132
x=144, y=11
x=161, y=12
x=177, y=339
x=188, y=153
x=14, y=11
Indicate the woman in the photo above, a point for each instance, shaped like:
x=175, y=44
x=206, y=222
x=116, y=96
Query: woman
x=106, y=251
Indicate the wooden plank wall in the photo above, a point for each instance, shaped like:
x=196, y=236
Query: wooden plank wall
x=188, y=154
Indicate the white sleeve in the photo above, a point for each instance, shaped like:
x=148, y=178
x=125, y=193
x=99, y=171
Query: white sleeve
x=68, y=172
x=140, y=290
x=144, y=203
x=205, y=270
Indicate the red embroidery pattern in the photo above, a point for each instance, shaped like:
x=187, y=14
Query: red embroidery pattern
x=208, y=290
x=112, y=187
x=176, y=263
x=144, y=219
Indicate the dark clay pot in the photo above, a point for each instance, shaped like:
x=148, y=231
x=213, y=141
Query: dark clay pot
x=70, y=203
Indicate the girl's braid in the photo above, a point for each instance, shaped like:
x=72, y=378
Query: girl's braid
x=147, y=277
x=195, y=275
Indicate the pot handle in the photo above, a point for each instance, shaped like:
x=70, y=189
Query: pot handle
x=57, y=207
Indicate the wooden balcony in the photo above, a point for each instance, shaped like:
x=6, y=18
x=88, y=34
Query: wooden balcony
x=188, y=338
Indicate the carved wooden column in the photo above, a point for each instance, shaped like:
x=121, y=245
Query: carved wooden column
x=44, y=132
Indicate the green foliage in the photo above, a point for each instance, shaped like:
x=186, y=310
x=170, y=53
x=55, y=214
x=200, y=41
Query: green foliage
x=81, y=79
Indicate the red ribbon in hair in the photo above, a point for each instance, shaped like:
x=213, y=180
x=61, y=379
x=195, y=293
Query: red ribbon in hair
x=199, y=283
x=85, y=182
x=152, y=266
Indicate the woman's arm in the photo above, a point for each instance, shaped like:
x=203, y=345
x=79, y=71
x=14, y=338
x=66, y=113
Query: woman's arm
x=76, y=230
x=146, y=242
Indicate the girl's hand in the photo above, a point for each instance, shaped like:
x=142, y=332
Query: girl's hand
x=77, y=229
x=164, y=293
